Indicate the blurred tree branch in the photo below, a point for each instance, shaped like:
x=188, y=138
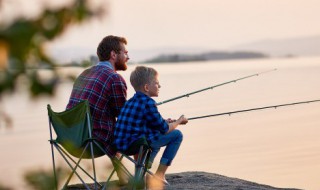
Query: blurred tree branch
x=22, y=45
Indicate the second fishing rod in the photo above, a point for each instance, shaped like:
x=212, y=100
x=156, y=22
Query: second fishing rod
x=214, y=86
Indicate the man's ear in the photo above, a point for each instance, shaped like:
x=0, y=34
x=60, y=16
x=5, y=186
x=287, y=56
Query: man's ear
x=146, y=88
x=113, y=54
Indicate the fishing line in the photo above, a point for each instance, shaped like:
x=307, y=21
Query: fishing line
x=252, y=109
x=211, y=87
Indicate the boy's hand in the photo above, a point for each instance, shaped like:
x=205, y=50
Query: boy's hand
x=182, y=120
x=169, y=120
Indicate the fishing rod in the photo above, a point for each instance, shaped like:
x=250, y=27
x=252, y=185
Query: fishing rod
x=211, y=87
x=252, y=109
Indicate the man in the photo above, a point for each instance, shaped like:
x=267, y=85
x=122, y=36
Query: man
x=105, y=90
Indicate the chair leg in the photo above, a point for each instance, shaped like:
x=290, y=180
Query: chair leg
x=120, y=166
x=74, y=162
x=54, y=166
x=76, y=166
x=141, y=168
x=93, y=165
x=113, y=171
x=52, y=154
x=73, y=170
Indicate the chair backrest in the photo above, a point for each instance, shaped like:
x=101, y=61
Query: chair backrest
x=72, y=127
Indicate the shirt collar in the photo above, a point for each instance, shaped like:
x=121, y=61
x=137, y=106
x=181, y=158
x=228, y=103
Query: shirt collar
x=106, y=63
x=138, y=93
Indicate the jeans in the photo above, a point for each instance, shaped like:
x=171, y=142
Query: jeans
x=172, y=143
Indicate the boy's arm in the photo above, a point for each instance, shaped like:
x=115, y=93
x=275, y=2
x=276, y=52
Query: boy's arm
x=154, y=119
x=174, y=124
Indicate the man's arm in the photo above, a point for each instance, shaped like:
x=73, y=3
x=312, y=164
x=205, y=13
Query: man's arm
x=118, y=95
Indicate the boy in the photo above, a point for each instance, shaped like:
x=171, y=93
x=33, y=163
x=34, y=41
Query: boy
x=140, y=117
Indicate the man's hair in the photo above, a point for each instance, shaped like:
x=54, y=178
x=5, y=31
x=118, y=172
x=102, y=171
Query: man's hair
x=108, y=44
x=142, y=75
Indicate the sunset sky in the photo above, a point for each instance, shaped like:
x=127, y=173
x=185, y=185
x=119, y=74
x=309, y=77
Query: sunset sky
x=208, y=24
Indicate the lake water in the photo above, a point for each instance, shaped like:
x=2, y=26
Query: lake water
x=279, y=147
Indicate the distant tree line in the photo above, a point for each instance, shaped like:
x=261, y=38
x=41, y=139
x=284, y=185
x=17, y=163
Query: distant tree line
x=93, y=60
x=205, y=56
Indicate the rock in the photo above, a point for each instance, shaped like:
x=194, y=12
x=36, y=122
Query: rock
x=204, y=181
x=201, y=181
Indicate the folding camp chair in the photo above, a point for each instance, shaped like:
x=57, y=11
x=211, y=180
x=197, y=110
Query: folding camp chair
x=73, y=133
x=74, y=139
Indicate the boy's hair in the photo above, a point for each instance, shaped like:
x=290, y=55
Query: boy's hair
x=108, y=44
x=142, y=75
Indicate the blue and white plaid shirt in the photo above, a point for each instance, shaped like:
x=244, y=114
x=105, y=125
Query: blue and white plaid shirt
x=138, y=117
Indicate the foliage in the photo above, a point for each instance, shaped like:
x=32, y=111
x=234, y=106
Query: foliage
x=22, y=52
x=22, y=55
x=2, y=187
x=43, y=179
x=22, y=46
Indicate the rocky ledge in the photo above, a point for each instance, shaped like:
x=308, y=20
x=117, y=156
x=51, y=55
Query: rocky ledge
x=205, y=181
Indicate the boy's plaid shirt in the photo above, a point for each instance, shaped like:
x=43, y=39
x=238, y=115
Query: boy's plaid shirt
x=139, y=117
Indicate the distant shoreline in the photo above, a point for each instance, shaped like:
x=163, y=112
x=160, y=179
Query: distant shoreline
x=209, y=56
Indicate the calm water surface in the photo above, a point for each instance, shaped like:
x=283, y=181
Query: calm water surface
x=279, y=147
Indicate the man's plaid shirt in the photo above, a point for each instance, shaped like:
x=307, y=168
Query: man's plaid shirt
x=139, y=117
x=106, y=92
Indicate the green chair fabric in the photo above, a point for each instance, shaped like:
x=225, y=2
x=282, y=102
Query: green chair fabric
x=73, y=129
x=74, y=133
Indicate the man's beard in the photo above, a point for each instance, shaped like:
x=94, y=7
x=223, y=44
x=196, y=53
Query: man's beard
x=120, y=65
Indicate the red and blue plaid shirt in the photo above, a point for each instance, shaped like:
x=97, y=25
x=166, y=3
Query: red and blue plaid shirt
x=106, y=92
x=138, y=117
